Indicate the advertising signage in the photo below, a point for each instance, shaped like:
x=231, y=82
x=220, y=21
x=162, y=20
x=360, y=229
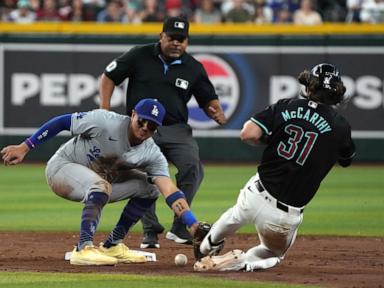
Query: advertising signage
x=41, y=81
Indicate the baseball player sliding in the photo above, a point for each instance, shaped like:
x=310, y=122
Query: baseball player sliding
x=110, y=158
x=305, y=138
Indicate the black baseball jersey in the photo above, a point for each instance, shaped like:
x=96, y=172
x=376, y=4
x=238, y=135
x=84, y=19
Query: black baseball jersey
x=305, y=139
x=173, y=84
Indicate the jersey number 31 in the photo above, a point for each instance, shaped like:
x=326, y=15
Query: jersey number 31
x=289, y=150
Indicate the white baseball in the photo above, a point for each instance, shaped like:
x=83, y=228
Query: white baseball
x=181, y=260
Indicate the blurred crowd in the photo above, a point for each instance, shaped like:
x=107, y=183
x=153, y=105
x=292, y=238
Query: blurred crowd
x=307, y=12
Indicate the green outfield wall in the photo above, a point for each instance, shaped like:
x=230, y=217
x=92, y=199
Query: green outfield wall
x=48, y=69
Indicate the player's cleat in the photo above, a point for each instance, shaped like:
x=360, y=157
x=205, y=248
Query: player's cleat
x=123, y=254
x=90, y=255
x=179, y=235
x=262, y=264
x=150, y=240
x=207, y=247
x=231, y=261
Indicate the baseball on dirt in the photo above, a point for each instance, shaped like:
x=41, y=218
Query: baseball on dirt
x=181, y=260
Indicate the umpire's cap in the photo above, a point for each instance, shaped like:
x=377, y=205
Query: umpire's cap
x=151, y=109
x=176, y=26
x=328, y=75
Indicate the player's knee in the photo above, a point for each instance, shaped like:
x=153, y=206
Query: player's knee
x=65, y=191
x=102, y=186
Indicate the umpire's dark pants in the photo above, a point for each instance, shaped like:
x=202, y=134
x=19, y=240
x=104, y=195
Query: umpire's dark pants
x=181, y=149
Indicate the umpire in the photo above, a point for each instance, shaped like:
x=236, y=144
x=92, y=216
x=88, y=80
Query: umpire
x=164, y=70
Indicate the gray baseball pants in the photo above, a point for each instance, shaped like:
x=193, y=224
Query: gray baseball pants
x=181, y=149
x=74, y=182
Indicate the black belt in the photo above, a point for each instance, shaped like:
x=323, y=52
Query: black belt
x=279, y=204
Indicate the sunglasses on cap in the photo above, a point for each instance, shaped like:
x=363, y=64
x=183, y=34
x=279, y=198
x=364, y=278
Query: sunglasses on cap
x=151, y=126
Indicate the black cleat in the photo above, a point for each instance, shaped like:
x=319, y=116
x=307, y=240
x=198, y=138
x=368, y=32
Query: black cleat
x=179, y=235
x=150, y=240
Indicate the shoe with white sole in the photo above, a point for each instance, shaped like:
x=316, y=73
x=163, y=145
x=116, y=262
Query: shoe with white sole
x=181, y=239
x=123, y=254
x=91, y=255
x=207, y=247
x=150, y=240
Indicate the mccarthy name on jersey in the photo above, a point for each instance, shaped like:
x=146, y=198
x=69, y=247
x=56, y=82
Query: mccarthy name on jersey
x=309, y=115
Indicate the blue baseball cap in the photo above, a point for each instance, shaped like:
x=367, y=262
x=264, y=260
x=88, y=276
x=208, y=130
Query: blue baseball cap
x=150, y=109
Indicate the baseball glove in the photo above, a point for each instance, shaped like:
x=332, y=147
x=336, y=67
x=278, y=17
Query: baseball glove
x=231, y=261
x=200, y=233
x=107, y=167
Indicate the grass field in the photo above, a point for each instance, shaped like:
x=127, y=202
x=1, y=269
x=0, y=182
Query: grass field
x=66, y=280
x=349, y=202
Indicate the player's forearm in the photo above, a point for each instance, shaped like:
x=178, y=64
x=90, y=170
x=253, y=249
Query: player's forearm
x=106, y=90
x=177, y=202
x=175, y=199
x=49, y=130
x=251, y=141
x=14, y=154
x=251, y=133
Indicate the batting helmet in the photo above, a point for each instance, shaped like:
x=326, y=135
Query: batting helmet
x=327, y=74
x=323, y=84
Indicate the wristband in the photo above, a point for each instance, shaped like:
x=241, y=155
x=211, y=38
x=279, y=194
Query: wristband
x=29, y=143
x=188, y=218
x=173, y=197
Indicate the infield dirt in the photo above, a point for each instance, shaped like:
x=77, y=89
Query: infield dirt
x=323, y=261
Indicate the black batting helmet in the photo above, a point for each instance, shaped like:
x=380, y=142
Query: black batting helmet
x=328, y=75
x=323, y=84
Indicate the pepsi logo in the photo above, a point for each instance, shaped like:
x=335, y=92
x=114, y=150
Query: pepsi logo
x=226, y=84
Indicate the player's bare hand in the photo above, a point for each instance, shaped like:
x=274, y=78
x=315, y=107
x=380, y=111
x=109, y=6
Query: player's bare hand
x=14, y=154
x=217, y=115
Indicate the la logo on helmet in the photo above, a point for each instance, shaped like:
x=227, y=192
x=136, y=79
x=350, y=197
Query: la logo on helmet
x=155, y=111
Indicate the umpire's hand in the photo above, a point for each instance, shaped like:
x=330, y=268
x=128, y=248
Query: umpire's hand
x=217, y=115
x=14, y=154
x=214, y=111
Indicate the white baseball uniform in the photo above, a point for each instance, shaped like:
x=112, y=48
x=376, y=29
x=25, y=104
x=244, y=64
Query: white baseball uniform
x=277, y=229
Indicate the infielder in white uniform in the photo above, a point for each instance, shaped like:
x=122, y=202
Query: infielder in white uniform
x=110, y=158
x=305, y=138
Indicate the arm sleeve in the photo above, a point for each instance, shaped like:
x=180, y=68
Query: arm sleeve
x=49, y=129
